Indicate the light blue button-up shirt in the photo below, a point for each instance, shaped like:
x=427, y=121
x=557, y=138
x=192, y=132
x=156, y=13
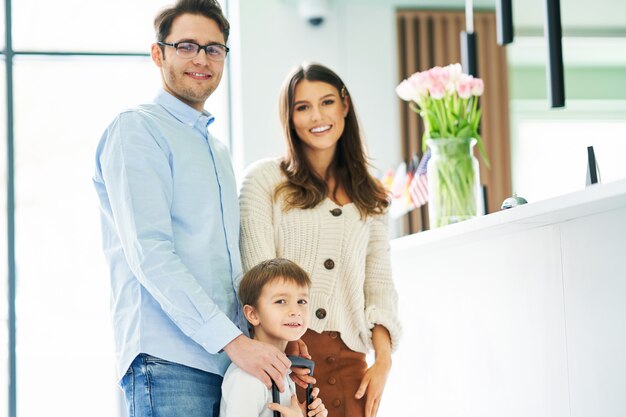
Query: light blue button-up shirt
x=170, y=231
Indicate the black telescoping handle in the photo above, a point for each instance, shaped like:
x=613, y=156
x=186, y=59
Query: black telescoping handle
x=275, y=398
x=298, y=362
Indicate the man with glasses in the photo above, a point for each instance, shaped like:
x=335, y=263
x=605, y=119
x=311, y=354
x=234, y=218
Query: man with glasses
x=170, y=226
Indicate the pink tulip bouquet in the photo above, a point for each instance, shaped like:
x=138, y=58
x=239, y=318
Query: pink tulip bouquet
x=447, y=101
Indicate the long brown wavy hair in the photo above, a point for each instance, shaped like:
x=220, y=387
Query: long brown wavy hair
x=304, y=188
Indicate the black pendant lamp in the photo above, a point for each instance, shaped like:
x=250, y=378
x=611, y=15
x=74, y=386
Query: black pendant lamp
x=469, y=56
x=554, y=72
x=504, y=21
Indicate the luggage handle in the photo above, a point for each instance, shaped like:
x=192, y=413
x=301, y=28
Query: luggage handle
x=298, y=362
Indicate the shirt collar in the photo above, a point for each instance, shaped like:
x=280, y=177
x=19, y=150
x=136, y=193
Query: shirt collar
x=183, y=112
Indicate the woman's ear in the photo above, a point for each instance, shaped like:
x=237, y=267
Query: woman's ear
x=346, y=106
x=251, y=315
x=156, y=54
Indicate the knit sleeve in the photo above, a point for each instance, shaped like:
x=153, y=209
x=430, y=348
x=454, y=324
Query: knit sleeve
x=381, y=298
x=256, y=203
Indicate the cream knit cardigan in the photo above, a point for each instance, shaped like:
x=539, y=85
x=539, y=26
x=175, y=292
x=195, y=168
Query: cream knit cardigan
x=358, y=292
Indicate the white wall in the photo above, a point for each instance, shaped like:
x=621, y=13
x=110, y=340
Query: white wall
x=357, y=40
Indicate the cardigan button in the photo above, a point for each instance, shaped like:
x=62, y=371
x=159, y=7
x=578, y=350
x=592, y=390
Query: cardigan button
x=332, y=380
x=333, y=335
x=336, y=403
x=336, y=212
x=320, y=313
x=330, y=360
x=329, y=264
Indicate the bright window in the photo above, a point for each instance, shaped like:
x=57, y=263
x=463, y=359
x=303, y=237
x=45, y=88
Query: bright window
x=63, y=326
x=549, y=147
x=84, y=25
x=62, y=104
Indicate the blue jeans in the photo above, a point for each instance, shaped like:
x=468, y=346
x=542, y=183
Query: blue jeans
x=158, y=388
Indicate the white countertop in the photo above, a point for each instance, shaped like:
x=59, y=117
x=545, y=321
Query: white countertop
x=591, y=200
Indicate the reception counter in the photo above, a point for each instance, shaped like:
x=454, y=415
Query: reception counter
x=518, y=313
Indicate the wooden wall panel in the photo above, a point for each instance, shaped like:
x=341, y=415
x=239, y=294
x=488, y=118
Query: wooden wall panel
x=432, y=38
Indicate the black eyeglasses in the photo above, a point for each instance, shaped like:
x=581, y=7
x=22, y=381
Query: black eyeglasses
x=214, y=51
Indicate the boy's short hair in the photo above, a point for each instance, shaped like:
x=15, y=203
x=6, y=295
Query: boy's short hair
x=262, y=274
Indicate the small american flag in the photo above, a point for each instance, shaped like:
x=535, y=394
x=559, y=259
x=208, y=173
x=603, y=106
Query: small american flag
x=418, y=189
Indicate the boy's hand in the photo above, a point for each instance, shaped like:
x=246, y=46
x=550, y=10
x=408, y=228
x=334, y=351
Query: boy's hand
x=300, y=375
x=259, y=359
x=317, y=407
x=292, y=411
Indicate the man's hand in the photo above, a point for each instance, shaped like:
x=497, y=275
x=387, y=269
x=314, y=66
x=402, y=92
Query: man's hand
x=259, y=359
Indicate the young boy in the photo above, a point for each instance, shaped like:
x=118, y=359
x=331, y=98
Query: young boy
x=275, y=296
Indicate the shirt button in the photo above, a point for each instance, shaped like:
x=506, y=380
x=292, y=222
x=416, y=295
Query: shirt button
x=333, y=335
x=320, y=313
x=336, y=212
x=329, y=264
x=330, y=360
x=336, y=403
x=332, y=380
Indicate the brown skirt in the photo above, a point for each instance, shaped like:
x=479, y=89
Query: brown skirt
x=338, y=371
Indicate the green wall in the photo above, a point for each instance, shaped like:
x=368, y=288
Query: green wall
x=597, y=83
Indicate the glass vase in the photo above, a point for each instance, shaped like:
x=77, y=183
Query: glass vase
x=454, y=192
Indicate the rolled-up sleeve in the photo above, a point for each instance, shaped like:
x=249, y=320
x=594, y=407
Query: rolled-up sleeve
x=381, y=297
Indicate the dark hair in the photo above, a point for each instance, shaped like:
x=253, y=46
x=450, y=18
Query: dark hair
x=208, y=8
x=258, y=277
x=304, y=188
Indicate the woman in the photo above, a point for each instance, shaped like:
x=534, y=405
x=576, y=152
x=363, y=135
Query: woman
x=319, y=207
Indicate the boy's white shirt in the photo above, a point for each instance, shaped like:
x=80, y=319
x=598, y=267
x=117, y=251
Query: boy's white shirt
x=243, y=395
